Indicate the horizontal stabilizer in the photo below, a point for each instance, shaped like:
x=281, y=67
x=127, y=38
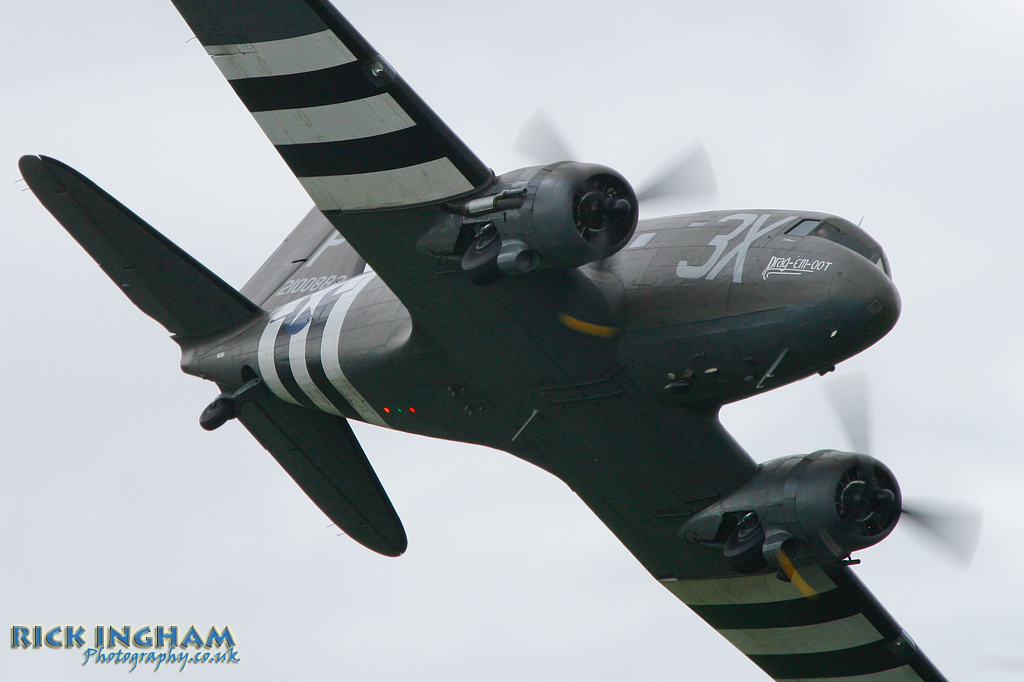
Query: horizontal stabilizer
x=323, y=456
x=162, y=280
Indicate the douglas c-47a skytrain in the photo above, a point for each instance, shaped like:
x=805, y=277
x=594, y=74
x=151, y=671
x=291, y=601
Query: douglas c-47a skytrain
x=533, y=313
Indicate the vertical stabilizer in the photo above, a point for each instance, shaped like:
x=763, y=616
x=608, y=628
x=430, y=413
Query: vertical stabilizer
x=314, y=256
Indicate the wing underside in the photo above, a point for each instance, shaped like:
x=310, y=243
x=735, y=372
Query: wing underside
x=354, y=133
x=644, y=476
x=841, y=632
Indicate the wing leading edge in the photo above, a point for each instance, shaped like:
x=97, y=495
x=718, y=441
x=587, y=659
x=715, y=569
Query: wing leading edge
x=354, y=133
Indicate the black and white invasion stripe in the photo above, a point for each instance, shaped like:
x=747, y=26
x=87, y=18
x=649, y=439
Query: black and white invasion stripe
x=356, y=136
x=299, y=352
x=840, y=634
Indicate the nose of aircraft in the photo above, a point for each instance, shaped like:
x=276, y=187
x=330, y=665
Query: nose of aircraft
x=871, y=296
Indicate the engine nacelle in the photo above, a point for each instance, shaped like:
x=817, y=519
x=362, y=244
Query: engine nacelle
x=559, y=216
x=817, y=508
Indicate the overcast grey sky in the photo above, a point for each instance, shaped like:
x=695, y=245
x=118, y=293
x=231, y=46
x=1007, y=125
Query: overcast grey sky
x=118, y=509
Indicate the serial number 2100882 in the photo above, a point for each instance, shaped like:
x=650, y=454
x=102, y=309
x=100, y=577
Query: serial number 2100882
x=309, y=284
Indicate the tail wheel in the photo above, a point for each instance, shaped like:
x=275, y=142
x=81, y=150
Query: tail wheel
x=218, y=412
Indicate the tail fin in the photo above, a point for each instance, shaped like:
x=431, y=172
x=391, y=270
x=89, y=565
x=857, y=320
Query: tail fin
x=162, y=280
x=314, y=256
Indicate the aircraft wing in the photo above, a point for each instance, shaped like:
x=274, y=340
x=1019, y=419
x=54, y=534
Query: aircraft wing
x=645, y=476
x=832, y=629
x=375, y=159
x=355, y=135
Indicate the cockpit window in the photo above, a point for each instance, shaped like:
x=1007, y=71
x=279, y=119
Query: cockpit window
x=854, y=244
x=820, y=228
x=803, y=228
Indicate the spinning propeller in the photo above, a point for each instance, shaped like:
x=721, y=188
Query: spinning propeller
x=690, y=175
x=957, y=530
x=605, y=212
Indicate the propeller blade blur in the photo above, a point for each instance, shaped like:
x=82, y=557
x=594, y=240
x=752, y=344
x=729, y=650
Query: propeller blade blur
x=691, y=175
x=540, y=140
x=954, y=528
x=849, y=396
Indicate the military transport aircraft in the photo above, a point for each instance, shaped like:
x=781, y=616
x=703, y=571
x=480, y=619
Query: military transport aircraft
x=533, y=313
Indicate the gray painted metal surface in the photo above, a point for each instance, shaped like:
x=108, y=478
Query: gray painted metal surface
x=602, y=358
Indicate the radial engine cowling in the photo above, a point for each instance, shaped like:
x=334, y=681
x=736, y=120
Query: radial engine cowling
x=559, y=216
x=816, y=508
